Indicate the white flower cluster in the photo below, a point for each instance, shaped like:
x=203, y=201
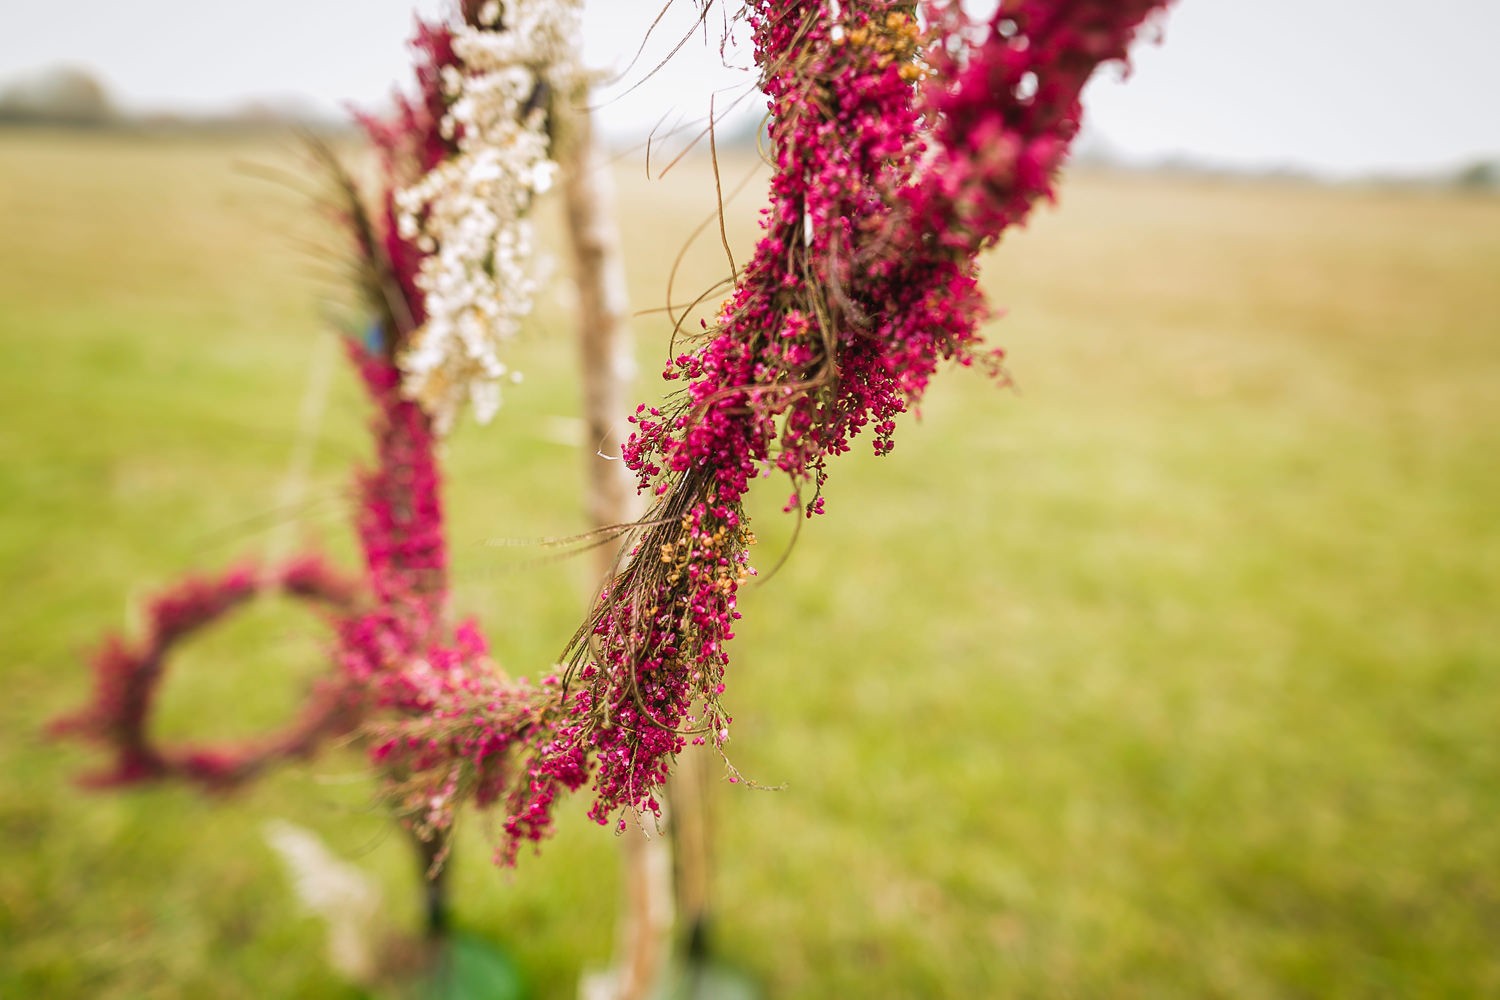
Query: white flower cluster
x=469, y=214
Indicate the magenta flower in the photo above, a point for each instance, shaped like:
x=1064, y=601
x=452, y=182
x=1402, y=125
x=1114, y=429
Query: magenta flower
x=127, y=675
x=442, y=723
x=898, y=157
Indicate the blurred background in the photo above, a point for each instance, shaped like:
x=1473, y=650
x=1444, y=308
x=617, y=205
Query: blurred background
x=1169, y=672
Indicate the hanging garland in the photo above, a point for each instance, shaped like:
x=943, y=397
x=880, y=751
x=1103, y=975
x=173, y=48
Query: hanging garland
x=439, y=258
x=899, y=155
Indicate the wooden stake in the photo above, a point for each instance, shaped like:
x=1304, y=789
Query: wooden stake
x=643, y=944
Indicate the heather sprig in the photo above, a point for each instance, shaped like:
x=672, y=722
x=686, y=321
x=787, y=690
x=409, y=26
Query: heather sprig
x=446, y=724
x=764, y=391
x=1006, y=110
x=898, y=157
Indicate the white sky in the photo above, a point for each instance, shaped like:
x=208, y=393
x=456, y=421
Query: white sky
x=1339, y=86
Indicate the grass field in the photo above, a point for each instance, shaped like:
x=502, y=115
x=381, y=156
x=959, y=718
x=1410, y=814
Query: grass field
x=1174, y=673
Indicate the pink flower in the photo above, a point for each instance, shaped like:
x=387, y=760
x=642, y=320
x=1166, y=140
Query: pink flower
x=863, y=284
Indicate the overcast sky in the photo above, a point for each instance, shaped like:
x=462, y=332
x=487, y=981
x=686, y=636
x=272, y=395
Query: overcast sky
x=1339, y=86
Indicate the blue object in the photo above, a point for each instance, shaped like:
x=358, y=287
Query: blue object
x=375, y=338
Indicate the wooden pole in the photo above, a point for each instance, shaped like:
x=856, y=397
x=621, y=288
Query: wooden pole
x=643, y=944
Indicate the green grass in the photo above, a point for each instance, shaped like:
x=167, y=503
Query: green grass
x=1174, y=673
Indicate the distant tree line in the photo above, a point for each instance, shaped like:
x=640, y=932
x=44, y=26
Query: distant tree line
x=1483, y=175
x=68, y=97
x=60, y=96
x=75, y=98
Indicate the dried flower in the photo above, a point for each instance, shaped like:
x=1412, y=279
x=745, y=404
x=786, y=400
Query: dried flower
x=128, y=674
x=468, y=213
x=443, y=724
x=862, y=285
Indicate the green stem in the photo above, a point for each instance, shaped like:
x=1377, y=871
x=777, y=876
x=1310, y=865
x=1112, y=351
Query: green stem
x=431, y=856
